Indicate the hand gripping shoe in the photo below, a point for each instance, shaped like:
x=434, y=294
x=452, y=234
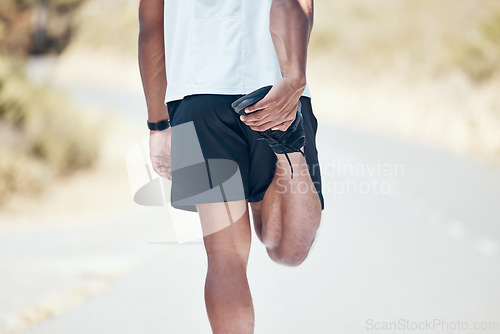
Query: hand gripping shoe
x=281, y=142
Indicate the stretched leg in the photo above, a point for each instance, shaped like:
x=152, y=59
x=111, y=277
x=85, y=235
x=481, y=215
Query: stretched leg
x=287, y=219
x=227, y=237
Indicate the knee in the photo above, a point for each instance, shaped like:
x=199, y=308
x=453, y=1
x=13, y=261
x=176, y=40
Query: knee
x=271, y=238
x=290, y=258
x=226, y=266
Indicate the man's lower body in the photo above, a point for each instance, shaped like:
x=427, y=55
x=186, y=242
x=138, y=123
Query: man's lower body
x=286, y=211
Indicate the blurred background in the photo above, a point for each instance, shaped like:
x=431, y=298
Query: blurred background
x=413, y=83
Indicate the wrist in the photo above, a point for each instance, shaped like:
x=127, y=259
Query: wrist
x=296, y=81
x=152, y=132
x=157, y=113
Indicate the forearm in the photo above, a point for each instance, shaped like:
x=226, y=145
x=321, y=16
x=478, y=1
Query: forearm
x=290, y=25
x=152, y=61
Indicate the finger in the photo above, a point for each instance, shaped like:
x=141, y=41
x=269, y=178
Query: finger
x=272, y=98
x=257, y=123
x=161, y=169
x=260, y=123
x=168, y=176
x=282, y=127
x=260, y=105
x=161, y=172
x=262, y=127
x=167, y=172
x=255, y=117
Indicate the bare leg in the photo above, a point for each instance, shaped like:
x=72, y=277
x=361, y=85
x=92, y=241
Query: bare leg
x=287, y=219
x=227, y=294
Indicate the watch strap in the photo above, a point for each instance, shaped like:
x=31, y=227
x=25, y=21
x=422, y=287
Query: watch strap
x=159, y=126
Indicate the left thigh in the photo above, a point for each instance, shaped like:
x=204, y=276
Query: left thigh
x=226, y=230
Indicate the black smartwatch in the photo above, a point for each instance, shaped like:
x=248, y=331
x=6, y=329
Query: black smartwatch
x=160, y=126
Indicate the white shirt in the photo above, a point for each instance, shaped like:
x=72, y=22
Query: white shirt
x=218, y=47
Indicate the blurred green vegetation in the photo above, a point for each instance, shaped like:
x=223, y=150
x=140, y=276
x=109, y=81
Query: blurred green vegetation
x=115, y=32
x=36, y=26
x=426, y=37
x=479, y=55
x=42, y=134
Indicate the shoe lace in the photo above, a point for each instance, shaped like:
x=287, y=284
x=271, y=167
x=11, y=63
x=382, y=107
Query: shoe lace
x=284, y=148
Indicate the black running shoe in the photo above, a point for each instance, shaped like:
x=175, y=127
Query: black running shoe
x=281, y=142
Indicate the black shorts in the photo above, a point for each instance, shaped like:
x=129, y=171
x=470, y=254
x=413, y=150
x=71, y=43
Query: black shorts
x=217, y=158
